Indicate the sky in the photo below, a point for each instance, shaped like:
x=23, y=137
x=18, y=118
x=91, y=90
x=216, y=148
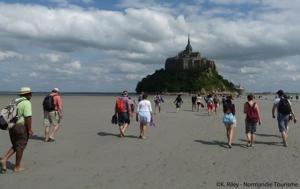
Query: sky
x=110, y=45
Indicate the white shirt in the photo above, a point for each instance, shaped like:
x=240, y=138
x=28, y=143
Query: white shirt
x=199, y=98
x=144, y=106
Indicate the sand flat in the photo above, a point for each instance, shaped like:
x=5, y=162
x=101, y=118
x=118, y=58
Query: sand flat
x=185, y=150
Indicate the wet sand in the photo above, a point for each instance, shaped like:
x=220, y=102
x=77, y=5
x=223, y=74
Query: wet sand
x=185, y=150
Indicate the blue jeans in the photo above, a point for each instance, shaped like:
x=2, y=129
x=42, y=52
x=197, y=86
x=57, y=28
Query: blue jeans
x=282, y=122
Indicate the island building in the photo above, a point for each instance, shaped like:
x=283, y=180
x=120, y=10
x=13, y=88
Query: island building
x=187, y=59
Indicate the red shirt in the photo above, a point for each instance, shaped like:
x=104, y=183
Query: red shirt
x=57, y=101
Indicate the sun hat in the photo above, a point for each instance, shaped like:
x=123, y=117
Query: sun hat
x=25, y=90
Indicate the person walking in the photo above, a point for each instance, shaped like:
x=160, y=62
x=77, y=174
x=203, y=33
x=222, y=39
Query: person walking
x=284, y=113
x=216, y=103
x=229, y=119
x=144, y=111
x=53, y=114
x=253, y=118
x=178, y=101
x=194, y=99
x=20, y=133
x=123, y=112
x=199, y=102
x=210, y=104
x=157, y=102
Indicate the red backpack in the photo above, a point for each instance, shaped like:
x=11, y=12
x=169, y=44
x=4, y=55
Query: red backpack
x=252, y=114
x=120, y=105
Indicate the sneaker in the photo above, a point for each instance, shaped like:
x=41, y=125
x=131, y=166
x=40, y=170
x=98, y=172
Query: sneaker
x=285, y=144
x=251, y=145
x=248, y=144
x=229, y=146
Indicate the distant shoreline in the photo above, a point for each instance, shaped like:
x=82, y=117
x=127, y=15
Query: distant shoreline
x=4, y=93
x=68, y=93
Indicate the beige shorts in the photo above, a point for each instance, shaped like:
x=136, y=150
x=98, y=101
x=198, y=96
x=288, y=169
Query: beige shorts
x=51, y=118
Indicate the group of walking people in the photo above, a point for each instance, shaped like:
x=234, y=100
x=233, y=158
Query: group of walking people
x=22, y=129
x=212, y=103
x=124, y=110
x=285, y=114
x=251, y=110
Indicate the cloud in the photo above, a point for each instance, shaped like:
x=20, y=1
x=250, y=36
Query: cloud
x=88, y=1
x=137, y=3
x=53, y=57
x=130, y=68
x=60, y=2
x=70, y=2
x=76, y=66
x=224, y=2
x=33, y=75
x=6, y=55
x=250, y=70
x=83, y=45
x=71, y=29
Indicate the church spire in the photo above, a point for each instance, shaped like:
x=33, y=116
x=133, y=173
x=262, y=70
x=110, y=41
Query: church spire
x=189, y=46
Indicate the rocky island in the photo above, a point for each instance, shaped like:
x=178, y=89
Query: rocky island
x=186, y=72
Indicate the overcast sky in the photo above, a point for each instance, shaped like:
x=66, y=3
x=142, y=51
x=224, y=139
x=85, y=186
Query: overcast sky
x=109, y=45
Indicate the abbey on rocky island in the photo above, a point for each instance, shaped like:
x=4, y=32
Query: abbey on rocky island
x=187, y=59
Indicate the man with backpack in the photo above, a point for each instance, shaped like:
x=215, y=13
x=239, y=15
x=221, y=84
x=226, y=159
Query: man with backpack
x=123, y=112
x=284, y=112
x=20, y=132
x=53, y=114
x=252, y=119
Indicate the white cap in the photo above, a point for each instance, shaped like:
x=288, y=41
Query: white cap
x=55, y=89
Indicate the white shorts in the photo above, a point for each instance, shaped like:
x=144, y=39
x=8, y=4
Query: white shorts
x=145, y=117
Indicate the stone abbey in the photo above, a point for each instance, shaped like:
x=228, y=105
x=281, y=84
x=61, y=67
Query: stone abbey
x=187, y=59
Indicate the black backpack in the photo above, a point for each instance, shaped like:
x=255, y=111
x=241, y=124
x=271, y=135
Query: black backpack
x=284, y=107
x=48, y=103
